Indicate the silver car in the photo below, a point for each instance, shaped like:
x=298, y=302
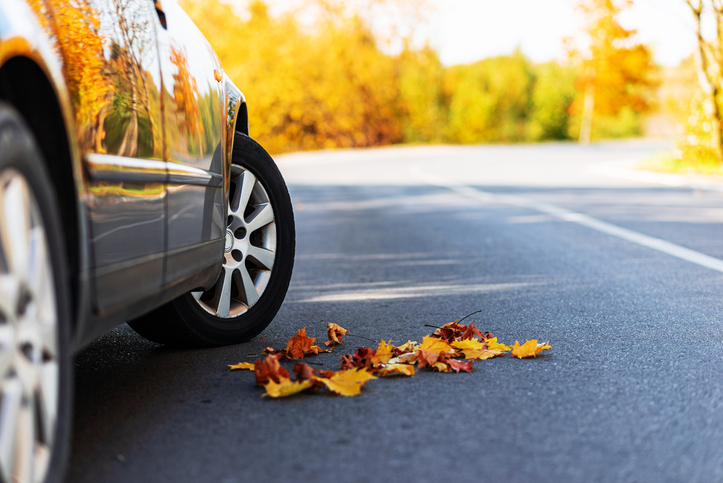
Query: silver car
x=130, y=190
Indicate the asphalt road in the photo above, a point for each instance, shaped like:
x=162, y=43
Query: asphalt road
x=392, y=239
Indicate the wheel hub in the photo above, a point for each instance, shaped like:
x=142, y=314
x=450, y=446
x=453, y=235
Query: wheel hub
x=229, y=241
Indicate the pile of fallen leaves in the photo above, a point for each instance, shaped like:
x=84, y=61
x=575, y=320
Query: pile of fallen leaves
x=451, y=348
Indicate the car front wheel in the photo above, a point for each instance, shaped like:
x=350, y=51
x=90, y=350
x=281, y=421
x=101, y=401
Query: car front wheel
x=257, y=262
x=35, y=376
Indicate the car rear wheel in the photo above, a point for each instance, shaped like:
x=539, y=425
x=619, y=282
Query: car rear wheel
x=35, y=378
x=257, y=262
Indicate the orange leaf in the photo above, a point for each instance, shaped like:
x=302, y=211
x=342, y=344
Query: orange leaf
x=529, y=349
x=481, y=354
x=334, y=332
x=269, y=369
x=286, y=387
x=441, y=367
x=405, y=348
x=300, y=344
x=349, y=382
x=242, y=366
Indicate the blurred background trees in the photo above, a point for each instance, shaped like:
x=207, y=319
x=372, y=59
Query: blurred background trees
x=325, y=76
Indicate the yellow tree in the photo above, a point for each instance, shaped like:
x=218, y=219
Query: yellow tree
x=617, y=71
x=709, y=64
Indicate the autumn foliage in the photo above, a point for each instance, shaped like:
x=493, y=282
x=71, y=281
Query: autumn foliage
x=335, y=84
x=454, y=347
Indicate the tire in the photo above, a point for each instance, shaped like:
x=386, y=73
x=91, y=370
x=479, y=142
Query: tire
x=258, y=262
x=35, y=371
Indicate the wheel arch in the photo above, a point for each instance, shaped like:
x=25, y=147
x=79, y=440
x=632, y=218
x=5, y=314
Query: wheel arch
x=24, y=85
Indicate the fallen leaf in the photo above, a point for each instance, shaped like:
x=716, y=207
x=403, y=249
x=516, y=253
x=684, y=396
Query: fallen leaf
x=285, y=388
x=383, y=353
x=481, y=354
x=349, y=382
x=459, y=366
x=408, y=347
x=493, y=345
x=334, y=332
x=407, y=358
x=300, y=344
x=396, y=370
x=269, y=369
x=303, y=372
x=441, y=367
x=242, y=366
x=362, y=358
x=472, y=331
x=529, y=349
x=430, y=344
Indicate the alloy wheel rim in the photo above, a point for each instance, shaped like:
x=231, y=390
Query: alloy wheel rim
x=250, y=249
x=29, y=370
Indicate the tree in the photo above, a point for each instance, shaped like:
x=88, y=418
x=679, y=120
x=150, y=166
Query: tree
x=617, y=71
x=709, y=65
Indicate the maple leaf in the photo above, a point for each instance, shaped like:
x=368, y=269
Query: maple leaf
x=481, y=354
x=441, y=367
x=383, y=353
x=468, y=344
x=349, y=382
x=334, y=332
x=286, y=387
x=242, y=366
x=396, y=370
x=405, y=348
x=303, y=372
x=439, y=346
x=459, y=366
x=361, y=358
x=300, y=344
x=493, y=345
x=406, y=358
x=269, y=369
x=472, y=331
x=529, y=349
x=270, y=351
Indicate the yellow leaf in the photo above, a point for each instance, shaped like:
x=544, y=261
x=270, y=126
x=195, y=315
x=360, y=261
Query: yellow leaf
x=481, y=354
x=347, y=383
x=468, y=344
x=383, y=353
x=242, y=366
x=432, y=344
x=441, y=367
x=493, y=345
x=397, y=369
x=409, y=346
x=529, y=349
x=286, y=387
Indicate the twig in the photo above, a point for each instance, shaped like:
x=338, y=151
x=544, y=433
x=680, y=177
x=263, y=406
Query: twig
x=427, y=325
x=477, y=312
x=365, y=338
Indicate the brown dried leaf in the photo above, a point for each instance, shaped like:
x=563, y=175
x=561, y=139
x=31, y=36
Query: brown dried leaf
x=334, y=332
x=269, y=369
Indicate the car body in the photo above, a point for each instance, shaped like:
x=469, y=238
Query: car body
x=137, y=128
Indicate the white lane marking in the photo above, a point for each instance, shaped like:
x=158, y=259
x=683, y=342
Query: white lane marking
x=581, y=219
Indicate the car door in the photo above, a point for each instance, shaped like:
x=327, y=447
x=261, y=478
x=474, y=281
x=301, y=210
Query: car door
x=113, y=72
x=193, y=103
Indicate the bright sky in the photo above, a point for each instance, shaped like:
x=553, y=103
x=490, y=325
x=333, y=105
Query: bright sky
x=465, y=31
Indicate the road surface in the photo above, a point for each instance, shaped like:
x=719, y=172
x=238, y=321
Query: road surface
x=623, y=278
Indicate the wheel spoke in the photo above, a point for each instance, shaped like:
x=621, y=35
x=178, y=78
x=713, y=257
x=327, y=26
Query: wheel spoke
x=224, y=297
x=16, y=225
x=260, y=218
x=9, y=419
x=250, y=295
x=47, y=401
x=246, y=185
x=25, y=440
x=264, y=258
